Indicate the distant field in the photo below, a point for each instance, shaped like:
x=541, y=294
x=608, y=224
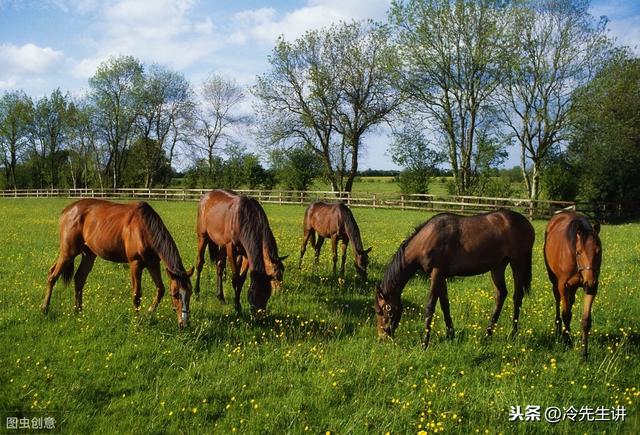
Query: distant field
x=315, y=365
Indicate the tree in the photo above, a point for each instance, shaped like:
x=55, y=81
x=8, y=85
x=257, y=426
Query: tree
x=217, y=117
x=84, y=152
x=453, y=52
x=114, y=92
x=165, y=107
x=296, y=169
x=16, y=114
x=326, y=90
x=413, y=152
x=49, y=132
x=557, y=47
x=605, y=145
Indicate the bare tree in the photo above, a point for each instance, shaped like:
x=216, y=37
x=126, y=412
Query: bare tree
x=217, y=116
x=558, y=47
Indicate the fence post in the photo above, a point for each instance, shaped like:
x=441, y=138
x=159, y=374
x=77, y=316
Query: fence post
x=374, y=200
x=302, y=198
x=402, y=201
x=531, y=210
x=280, y=197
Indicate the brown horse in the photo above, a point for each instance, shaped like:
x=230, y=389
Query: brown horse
x=334, y=221
x=236, y=227
x=122, y=233
x=451, y=245
x=573, y=254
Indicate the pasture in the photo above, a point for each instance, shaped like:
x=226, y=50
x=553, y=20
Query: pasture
x=315, y=363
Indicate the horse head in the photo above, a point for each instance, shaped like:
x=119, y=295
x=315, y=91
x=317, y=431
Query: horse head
x=259, y=293
x=180, y=288
x=589, y=257
x=388, y=313
x=362, y=262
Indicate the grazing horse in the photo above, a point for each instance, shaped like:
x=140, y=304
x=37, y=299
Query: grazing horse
x=337, y=222
x=451, y=245
x=122, y=233
x=573, y=254
x=236, y=227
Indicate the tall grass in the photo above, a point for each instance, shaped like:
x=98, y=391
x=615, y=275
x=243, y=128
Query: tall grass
x=315, y=363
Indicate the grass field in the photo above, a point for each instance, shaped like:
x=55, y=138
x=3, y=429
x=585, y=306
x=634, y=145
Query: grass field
x=315, y=363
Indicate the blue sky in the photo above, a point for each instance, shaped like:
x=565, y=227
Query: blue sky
x=46, y=44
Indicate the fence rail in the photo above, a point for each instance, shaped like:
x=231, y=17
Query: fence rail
x=433, y=203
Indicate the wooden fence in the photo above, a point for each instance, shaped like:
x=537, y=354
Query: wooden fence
x=431, y=203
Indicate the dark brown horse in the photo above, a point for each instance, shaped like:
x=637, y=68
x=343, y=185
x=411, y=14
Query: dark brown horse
x=334, y=221
x=236, y=227
x=451, y=245
x=573, y=254
x=122, y=233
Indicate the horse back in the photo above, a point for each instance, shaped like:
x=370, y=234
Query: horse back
x=218, y=216
x=326, y=219
x=471, y=245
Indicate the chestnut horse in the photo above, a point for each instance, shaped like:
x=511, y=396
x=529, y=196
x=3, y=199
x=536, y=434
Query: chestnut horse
x=573, y=254
x=451, y=245
x=334, y=221
x=236, y=227
x=122, y=233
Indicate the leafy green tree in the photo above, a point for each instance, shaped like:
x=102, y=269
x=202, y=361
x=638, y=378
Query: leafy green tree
x=296, y=169
x=327, y=90
x=114, y=92
x=49, y=132
x=16, y=114
x=605, y=148
x=413, y=152
x=453, y=57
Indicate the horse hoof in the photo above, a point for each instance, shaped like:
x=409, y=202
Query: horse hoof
x=451, y=334
x=489, y=333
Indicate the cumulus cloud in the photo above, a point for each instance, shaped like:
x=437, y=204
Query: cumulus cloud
x=265, y=25
x=27, y=59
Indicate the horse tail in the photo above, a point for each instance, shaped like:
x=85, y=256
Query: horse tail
x=67, y=272
x=312, y=238
x=212, y=254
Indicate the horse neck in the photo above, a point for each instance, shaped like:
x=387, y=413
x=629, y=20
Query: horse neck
x=251, y=240
x=352, y=230
x=402, y=267
x=161, y=241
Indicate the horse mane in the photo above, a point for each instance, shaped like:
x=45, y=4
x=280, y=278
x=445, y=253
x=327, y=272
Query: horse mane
x=251, y=224
x=398, y=271
x=351, y=227
x=579, y=225
x=161, y=240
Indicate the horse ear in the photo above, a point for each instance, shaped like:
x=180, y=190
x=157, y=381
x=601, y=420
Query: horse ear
x=190, y=271
x=596, y=228
x=283, y=258
x=368, y=249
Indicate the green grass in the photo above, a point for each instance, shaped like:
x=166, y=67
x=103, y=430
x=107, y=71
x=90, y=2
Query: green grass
x=315, y=364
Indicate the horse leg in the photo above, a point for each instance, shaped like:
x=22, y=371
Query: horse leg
x=437, y=282
x=236, y=280
x=63, y=266
x=136, y=275
x=319, y=243
x=566, y=305
x=86, y=264
x=344, y=257
x=156, y=276
x=221, y=262
x=518, y=294
x=307, y=236
x=444, y=305
x=497, y=276
x=586, y=323
x=558, y=320
x=334, y=250
x=202, y=246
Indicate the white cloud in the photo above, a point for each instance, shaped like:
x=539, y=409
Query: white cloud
x=27, y=59
x=264, y=25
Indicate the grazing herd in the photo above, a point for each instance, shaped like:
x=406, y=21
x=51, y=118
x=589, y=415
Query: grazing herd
x=235, y=229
